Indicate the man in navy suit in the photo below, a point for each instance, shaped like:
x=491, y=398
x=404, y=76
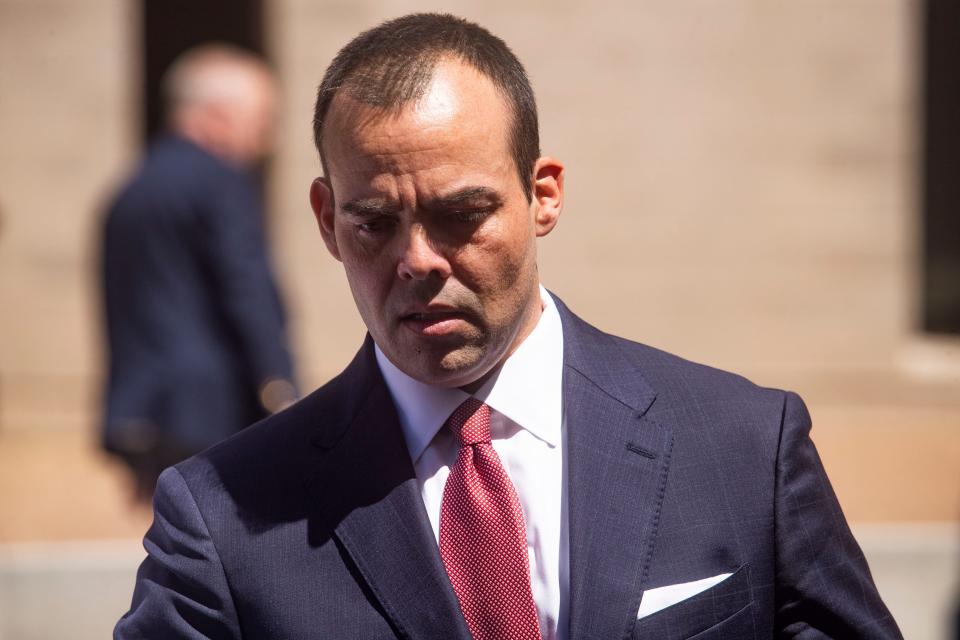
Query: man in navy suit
x=194, y=323
x=648, y=497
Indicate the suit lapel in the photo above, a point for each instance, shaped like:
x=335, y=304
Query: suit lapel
x=366, y=490
x=617, y=463
x=617, y=459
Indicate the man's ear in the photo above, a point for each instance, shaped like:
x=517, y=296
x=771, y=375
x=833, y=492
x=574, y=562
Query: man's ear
x=321, y=200
x=547, y=193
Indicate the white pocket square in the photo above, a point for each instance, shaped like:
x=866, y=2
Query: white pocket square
x=654, y=600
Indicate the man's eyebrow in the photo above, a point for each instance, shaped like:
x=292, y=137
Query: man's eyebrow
x=464, y=195
x=361, y=207
x=369, y=206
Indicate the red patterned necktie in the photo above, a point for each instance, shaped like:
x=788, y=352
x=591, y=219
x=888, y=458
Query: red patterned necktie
x=483, y=541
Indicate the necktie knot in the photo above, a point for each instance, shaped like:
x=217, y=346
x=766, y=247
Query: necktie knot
x=470, y=422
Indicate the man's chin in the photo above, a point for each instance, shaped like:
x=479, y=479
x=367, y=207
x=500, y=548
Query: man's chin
x=449, y=368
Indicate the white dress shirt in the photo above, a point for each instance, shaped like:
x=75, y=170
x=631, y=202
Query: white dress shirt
x=525, y=397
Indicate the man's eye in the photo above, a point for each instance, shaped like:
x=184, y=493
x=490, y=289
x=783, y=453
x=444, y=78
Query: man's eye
x=472, y=215
x=377, y=225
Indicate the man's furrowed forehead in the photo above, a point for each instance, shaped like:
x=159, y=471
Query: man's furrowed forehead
x=450, y=86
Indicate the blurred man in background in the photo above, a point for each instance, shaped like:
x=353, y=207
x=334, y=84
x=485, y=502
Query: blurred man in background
x=195, y=325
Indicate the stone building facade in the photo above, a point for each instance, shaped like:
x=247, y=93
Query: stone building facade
x=742, y=190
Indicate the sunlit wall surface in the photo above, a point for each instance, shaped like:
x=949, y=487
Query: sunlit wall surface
x=744, y=188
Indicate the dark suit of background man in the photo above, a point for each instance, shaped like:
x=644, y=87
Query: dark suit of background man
x=626, y=493
x=194, y=322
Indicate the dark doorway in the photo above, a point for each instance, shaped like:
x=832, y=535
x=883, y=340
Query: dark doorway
x=170, y=27
x=941, y=167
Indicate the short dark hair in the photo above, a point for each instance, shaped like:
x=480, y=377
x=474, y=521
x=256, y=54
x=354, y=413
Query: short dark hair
x=393, y=63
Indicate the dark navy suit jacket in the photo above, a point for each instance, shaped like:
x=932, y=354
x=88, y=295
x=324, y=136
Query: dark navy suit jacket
x=311, y=525
x=194, y=321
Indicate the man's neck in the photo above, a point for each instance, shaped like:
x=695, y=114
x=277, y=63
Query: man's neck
x=522, y=335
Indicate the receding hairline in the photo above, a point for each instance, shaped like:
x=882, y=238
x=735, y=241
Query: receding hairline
x=377, y=110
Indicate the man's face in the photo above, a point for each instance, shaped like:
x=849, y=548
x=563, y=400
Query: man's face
x=251, y=119
x=433, y=227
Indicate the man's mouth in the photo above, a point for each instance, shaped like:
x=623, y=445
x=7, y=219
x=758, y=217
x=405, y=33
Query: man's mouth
x=433, y=322
x=431, y=315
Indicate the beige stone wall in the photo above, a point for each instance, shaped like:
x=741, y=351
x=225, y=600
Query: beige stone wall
x=741, y=190
x=67, y=130
x=739, y=175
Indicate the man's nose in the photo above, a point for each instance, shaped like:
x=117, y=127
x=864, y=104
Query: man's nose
x=419, y=257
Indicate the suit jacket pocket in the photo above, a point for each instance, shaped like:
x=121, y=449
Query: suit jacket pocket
x=707, y=609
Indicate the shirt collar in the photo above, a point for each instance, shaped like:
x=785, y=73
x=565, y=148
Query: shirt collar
x=527, y=389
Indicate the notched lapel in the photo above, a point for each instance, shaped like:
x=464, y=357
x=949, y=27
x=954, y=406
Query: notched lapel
x=366, y=493
x=617, y=464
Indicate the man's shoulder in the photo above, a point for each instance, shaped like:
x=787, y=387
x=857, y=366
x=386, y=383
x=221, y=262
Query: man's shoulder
x=704, y=408
x=684, y=386
x=663, y=370
x=171, y=153
x=280, y=448
x=174, y=169
x=678, y=372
